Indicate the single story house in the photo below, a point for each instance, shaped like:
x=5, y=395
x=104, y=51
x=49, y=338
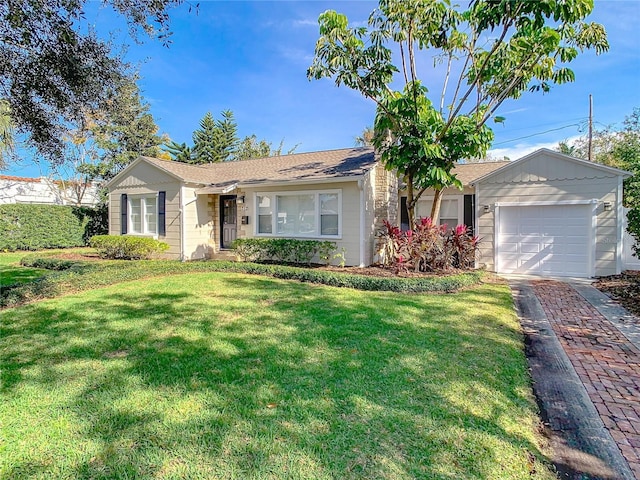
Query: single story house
x=546, y=213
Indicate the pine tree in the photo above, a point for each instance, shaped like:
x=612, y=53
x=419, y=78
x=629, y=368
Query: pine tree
x=179, y=152
x=206, y=141
x=228, y=136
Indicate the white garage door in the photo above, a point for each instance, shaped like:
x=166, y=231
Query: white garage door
x=549, y=240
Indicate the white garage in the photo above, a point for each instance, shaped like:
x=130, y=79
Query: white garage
x=545, y=239
x=550, y=214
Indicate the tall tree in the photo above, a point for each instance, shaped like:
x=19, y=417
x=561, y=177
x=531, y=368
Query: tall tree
x=123, y=130
x=250, y=147
x=53, y=67
x=6, y=133
x=180, y=152
x=620, y=148
x=489, y=52
x=228, y=137
x=215, y=140
x=365, y=139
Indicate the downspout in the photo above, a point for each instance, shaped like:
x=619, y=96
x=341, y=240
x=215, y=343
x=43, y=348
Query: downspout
x=362, y=220
x=620, y=225
x=475, y=201
x=182, y=229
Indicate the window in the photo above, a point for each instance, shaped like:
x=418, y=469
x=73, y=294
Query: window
x=143, y=215
x=328, y=214
x=451, y=210
x=299, y=214
x=264, y=215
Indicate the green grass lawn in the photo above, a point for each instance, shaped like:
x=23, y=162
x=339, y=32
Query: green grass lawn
x=12, y=273
x=230, y=376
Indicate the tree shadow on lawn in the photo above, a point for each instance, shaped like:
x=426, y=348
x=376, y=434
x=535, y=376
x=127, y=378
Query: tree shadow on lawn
x=16, y=275
x=310, y=383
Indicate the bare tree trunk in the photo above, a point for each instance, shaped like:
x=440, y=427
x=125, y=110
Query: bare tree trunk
x=435, y=208
x=410, y=201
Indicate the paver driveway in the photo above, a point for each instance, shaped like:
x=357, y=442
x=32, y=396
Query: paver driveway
x=603, y=353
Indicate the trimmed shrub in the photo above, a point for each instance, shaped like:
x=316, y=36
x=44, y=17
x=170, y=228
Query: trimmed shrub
x=96, y=220
x=124, y=247
x=283, y=250
x=88, y=275
x=33, y=227
x=428, y=247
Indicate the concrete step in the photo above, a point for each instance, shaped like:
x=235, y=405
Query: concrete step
x=224, y=255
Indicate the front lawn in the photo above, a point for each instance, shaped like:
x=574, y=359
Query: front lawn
x=11, y=273
x=220, y=375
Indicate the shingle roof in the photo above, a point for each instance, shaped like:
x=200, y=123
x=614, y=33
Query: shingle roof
x=328, y=164
x=468, y=173
x=347, y=162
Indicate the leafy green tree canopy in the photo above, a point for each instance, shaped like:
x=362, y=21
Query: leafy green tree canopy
x=491, y=51
x=122, y=130
x=53, y=68
x=250, y=147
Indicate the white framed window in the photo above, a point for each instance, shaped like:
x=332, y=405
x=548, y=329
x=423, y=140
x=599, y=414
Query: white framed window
x=307, y=214
x=143, y=214
x=451, y=209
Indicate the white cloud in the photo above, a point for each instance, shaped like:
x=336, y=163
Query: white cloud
x=305, y=23
x=297, y=55
x=519, y=150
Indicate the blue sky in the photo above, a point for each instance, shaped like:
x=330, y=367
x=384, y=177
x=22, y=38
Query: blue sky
x=251, y=58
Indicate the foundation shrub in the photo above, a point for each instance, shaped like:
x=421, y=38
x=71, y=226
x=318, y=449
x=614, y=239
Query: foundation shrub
x=428, y=247
x=124, y=247
x=284, y=250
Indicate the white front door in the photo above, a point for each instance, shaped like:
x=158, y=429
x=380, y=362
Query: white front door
x=548, y=240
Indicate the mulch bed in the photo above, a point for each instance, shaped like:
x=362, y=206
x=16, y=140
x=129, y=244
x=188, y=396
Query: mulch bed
x=625, y=288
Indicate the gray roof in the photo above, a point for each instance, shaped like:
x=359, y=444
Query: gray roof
x=347, y=162
x=468, y=173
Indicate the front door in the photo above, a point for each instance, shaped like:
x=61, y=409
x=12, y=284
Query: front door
x=228, y=214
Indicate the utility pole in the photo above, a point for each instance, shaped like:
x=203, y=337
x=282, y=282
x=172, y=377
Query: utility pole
x=590, y=128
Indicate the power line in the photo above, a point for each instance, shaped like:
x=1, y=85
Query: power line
x=538, y=133
x=547, y=124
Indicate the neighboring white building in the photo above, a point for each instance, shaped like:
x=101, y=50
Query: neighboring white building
x=46, y=191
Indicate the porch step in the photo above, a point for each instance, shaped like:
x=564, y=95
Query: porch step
x=224, y=255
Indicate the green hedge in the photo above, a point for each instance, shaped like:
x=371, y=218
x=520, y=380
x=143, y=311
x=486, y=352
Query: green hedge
x=284, y=250
x=81, y=276
x=123, y=247
x=33, y=227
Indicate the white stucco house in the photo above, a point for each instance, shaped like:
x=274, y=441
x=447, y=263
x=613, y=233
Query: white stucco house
x=544, y=214
x=44, y=190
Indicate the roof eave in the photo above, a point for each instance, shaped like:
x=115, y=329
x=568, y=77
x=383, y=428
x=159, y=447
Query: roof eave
x=280, y=183
x=124, y=172
x=597, y=166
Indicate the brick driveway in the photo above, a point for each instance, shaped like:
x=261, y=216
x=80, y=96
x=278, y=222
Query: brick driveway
x=607, y=363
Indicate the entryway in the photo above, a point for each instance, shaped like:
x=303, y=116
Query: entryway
x=228, y=220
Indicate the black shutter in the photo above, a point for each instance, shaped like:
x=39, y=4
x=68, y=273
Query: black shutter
x=404, y=214
x=469, y=213
x=124, y=206
x=162, y=226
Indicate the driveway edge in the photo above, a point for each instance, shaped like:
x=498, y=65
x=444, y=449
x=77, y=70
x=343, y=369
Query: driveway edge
x=582, y=446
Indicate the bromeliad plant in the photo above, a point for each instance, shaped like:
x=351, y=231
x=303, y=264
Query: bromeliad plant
x=428, y=247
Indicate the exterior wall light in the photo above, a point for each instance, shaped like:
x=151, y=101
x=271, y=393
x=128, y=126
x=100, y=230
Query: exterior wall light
x=240, y=200
x=607, y=206
x=486, y=208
